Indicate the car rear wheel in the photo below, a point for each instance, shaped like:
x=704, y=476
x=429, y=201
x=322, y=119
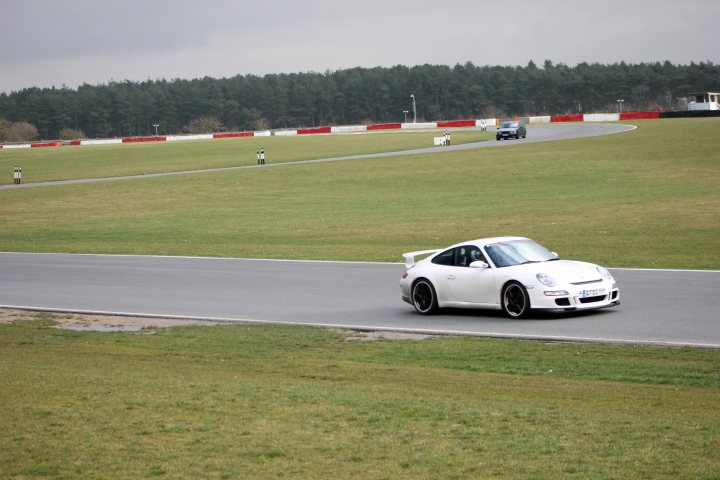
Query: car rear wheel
x=423, y=297
x=515, y=300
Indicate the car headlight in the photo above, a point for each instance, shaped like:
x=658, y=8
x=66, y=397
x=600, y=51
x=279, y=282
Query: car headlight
x=546, y=279
x=603, y=271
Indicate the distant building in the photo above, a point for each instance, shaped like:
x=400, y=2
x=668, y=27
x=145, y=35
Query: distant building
x=704, y=101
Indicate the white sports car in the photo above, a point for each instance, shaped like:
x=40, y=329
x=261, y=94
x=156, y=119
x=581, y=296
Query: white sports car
x=514, y=274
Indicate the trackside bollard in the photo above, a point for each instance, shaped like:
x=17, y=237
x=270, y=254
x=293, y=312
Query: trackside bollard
x=17, y=175
x=262, y=156
x=258, y=156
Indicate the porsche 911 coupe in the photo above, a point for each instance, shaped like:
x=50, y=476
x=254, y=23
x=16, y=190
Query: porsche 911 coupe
x=512, y=274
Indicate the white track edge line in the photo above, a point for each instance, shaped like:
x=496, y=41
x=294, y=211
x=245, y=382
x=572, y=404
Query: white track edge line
x=280, y=260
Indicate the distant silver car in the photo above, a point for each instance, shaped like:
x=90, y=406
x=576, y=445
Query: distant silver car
x=511, y=130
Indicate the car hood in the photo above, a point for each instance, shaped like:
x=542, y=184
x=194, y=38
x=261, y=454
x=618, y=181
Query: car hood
x=566, y=271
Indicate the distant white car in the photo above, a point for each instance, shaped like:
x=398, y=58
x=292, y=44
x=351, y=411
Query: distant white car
x=512, y=274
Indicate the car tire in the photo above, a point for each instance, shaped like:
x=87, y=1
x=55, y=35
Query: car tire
x=515, y=300
x=424, y=298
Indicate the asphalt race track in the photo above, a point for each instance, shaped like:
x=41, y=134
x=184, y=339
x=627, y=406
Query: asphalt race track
x=658, y=306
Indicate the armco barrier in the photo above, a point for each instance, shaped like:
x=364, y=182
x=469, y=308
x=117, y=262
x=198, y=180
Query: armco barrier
x=286, y=133
x=143, y=139
x=385, y=126
x=180, y=138
x=541, y=119
x=233, y=134
x=456, y=123
x=46, y=144
x=314, y=131
x=566, y=118
x=348, y=129
x=106, y=141
x=419, y=125
x=601, y=117
x=639, y=115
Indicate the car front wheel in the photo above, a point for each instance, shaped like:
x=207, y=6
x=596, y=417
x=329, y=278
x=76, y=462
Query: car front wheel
x=515, y=300
x=423, y=297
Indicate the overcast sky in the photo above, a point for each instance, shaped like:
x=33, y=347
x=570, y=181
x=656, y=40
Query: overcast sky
x=70, y=42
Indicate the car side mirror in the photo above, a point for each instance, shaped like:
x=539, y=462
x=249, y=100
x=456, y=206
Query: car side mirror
x=479, y=264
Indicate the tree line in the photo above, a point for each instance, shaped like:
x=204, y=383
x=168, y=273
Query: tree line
x=352, y=96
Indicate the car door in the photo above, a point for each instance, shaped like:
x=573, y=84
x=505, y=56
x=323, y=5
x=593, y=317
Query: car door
x=463, y=285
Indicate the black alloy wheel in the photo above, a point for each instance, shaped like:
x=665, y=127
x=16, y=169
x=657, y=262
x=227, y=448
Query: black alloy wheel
x=515, y=300
x=423, y=297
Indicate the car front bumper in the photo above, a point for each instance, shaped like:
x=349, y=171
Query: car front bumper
x=573, y=297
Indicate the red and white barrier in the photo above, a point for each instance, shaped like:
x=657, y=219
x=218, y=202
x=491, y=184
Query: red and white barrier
x=232, y=135
x=418, y=125
x=179, y=138
x=594, y=117
x=349, y=129
x=639, y=115
x=541, y=119
x=22, y=145
x=384, y=126
x=106, y=141
x=601, y=117
x=285, y=133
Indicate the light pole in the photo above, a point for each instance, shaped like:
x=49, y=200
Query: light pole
x=405, y=112
x=620, y=104
x=156, y=125
x=412, y=95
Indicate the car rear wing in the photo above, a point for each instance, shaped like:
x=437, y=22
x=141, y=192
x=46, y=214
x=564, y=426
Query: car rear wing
x=410, y=256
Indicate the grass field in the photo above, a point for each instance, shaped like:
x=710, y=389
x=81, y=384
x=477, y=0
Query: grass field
x=647, y=198
x=99, y=161
x=294, y=402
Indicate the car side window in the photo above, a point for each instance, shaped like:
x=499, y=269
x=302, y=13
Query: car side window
x=459, y=256
x=476, y=255
x=445, y=258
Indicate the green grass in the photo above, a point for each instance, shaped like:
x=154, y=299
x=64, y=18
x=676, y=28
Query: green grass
x=99, y=161
x=647, y=198
x=294, y=402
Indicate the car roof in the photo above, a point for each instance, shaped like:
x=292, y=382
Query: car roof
x=486, y=241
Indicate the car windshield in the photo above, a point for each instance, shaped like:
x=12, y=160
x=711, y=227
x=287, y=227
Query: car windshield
x=509, y=125
x=517, y=252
